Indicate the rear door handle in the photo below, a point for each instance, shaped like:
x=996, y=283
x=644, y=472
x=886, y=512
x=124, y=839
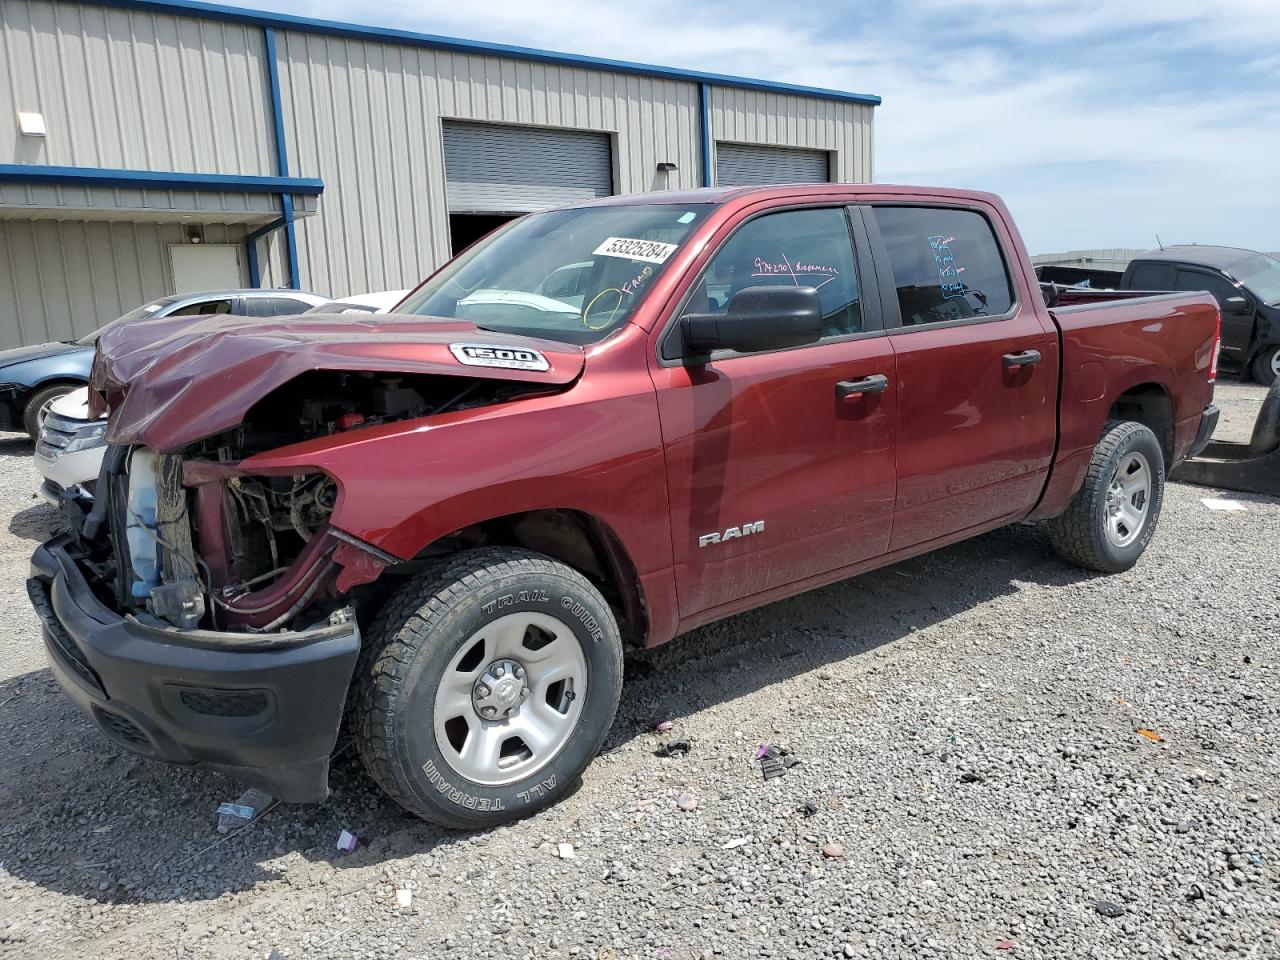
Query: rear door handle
x=1024, y=359
x=850, y=389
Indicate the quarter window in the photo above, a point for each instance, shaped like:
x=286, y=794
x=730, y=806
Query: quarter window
x=946, y=264
x=803, y=248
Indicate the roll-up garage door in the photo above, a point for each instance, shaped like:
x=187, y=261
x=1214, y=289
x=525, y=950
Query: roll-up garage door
x=495, y=168
x=741, y=165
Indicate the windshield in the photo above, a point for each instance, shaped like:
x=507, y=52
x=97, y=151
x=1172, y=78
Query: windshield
x=572, y=275
x=146, y=310
x=1260, y=275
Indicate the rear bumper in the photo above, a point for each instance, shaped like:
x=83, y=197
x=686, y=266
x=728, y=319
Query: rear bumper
x=1208, y=424
x=264, y=709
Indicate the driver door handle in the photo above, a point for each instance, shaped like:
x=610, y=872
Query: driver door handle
x=852, y=389
x=1024, y=359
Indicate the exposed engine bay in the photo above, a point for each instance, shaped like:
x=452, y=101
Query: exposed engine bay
x=197, y=540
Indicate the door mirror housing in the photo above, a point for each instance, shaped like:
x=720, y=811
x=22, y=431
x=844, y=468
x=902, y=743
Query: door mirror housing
x=1236, y=306
x=758, y=318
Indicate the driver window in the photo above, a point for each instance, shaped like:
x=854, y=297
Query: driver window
x=804, y=248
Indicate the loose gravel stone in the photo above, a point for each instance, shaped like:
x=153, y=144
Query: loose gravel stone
x=989, y=657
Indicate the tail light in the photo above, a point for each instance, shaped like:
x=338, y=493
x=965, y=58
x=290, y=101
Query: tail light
x=1217, y=347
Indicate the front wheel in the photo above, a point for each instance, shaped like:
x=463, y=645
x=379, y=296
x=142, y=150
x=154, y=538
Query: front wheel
x=489, y=685
x=1111, y=519
x=38, y=406
x=1266, y=365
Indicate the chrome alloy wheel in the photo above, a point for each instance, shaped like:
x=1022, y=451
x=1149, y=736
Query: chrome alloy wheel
x=510, y=698
x=1128, y=499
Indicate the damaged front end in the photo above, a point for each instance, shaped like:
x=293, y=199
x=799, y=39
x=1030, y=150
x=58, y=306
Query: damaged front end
x=207, y=608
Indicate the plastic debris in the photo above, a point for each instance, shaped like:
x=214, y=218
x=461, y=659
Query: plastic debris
x=564, y=851
x=1150, y=735
x=775, y=761
x=1108, y=909
x=1225, y=506
x=674, y=748
x=248, y=805
x=832, y=850
x=687, y=802
x=809, y=809
x=347, y=841
x=404, y=898
x=735, y=843
x=1004, y=944
x=665, y=725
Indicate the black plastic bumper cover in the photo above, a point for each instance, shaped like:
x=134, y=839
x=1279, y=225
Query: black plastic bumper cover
x=264, y=709
x=1208, y=424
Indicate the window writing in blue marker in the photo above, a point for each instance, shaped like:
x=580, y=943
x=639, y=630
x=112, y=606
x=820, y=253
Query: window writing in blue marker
x=948, y=269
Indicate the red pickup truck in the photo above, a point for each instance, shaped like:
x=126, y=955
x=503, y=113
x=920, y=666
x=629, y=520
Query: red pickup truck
x=602, y=425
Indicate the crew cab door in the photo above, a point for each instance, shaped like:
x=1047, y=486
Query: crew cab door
x=780, y=464
x=977, y=370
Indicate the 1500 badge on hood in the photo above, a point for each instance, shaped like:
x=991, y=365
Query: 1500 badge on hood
x=509, y=358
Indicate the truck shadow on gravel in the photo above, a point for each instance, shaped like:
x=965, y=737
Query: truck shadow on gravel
x=87, y=819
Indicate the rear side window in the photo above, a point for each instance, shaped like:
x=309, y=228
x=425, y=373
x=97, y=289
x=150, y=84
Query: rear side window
x=274, y=306
x=946, y=264
x=1151, y=276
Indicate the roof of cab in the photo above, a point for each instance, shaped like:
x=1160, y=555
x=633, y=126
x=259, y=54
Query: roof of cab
x=781, y=191
x=1221, y=257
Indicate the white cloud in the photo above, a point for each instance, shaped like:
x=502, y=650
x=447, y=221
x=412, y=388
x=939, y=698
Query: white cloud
x=1101, y=122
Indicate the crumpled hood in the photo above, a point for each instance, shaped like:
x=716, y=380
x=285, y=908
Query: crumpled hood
x=171, y=381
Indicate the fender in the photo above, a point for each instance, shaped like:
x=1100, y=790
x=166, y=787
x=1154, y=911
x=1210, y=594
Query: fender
x=402, y=486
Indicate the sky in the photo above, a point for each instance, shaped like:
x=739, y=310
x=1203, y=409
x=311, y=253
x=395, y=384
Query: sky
x=1103, y=123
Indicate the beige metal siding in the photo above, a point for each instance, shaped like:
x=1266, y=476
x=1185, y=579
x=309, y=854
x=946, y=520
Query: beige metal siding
x=366, y=118
x=132, y=90
x=755, y=116
x=62, y=279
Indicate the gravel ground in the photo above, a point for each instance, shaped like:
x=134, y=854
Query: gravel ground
x=969, y=725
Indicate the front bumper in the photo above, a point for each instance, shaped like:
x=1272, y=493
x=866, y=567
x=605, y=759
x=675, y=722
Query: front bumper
x=264, y=709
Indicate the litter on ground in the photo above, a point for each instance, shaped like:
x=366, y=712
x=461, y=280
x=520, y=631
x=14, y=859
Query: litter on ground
x=1226, y=506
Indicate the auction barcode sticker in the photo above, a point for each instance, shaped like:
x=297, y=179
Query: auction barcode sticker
x=653, y=251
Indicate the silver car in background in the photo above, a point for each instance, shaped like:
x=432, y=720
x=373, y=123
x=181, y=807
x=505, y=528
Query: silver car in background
x=71, y=443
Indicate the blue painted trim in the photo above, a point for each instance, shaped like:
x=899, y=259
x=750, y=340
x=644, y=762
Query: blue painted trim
x=277, y=105
x=704, y=108
x=155, y=179
x=251, y=250
x=282, y=156
x=283, y=21
x=290, y=241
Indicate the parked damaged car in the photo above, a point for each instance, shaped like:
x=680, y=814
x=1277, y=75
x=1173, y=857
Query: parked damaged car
x=602, y=425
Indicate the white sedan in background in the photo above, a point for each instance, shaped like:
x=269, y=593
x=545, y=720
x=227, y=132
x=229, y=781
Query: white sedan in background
x=71, y=444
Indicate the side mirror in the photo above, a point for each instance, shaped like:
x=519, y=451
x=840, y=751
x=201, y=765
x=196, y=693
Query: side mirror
x=1236, y=306
x=758, y=318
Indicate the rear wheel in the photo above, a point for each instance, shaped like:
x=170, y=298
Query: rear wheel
x=1266, y=365
x=1113, y=516
x=39, y=404
x=489, y=686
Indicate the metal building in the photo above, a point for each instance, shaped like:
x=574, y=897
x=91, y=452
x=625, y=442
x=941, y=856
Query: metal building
x=334, y=157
